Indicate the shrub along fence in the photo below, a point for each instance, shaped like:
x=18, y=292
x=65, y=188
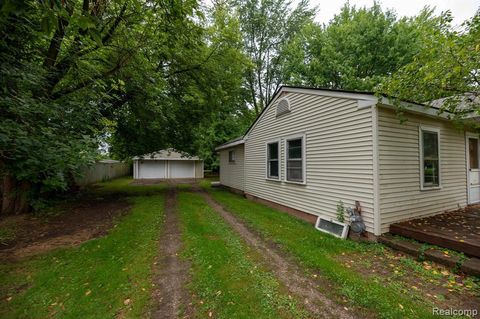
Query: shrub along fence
x=102, y=171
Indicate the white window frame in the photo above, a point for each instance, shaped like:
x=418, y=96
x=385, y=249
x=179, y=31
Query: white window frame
x=234, y=157
x=267, y=177
x=304, y=158
x=422, y=128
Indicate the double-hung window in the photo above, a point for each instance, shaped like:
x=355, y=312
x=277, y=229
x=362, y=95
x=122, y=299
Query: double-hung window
x=295, y=160
x=231, y=156
x=273, y=160
x=430, y=157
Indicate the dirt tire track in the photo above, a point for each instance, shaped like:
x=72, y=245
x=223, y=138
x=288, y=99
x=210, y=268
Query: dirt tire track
x=170, y=297
x=288, y=272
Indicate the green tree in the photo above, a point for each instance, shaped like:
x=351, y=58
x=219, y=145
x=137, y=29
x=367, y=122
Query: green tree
x=267, y=27
x=200, y=102
x=68, y=69
x=357, y=50
x=447, y=67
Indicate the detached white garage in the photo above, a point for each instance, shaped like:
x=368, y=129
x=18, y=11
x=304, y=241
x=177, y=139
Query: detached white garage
x=167, y=164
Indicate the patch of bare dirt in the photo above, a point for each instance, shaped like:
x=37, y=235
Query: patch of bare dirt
x=288, y=272
x=170, y=297
x=77, y=223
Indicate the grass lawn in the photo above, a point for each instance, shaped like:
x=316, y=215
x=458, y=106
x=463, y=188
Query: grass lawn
x=227, y=279
x=324, y=253
x=102, y=278
x=124, y=186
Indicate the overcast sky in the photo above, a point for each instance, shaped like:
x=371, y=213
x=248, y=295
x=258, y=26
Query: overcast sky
x=461, y=9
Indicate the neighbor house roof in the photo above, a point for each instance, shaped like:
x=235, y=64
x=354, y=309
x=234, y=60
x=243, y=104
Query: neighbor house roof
x=463, y=103
x=236, y=141
x=167, y=154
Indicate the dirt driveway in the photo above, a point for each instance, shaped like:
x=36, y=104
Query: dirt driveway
x=286, y=271
x=171, y=272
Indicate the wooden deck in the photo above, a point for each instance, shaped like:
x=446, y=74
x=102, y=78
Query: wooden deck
x=458, y=230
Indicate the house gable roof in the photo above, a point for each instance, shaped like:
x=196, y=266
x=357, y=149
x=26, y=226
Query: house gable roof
x=364, y=99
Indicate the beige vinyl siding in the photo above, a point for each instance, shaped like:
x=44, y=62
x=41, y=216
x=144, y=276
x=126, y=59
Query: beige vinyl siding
x=232, y=174
x=399, y=168
x=339, y=155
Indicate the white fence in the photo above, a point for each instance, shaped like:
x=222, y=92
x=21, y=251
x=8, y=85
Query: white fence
x=102, y=171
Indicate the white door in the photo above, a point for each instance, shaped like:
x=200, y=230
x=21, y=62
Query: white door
x=151, y=169
x=181, y=169
x=473, y=169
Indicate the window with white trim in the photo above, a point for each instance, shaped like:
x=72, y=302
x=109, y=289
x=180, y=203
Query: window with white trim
x=273, y=160
x=430, y=157
x=295, y=161
x=231, y=156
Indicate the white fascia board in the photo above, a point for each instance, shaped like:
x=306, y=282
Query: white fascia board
x=338, y=94
x=222, y=147
x=414, y=108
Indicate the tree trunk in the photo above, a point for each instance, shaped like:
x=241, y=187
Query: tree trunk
x=9, y=194
x=22, y=205
x=1, y=193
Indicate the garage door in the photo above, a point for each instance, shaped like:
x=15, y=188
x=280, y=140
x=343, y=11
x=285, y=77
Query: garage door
x=151, y=169
x=182, y=169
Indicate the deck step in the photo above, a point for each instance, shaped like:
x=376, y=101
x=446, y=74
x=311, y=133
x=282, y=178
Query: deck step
x=441, y=240
x=470, y=266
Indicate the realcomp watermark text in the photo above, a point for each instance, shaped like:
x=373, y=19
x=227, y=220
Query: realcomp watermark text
x=472, y=313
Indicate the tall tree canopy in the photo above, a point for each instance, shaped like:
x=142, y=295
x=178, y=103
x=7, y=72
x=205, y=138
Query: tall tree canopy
x=267, y=27
x=446, y=67
x=141, y=75
x=357, y=50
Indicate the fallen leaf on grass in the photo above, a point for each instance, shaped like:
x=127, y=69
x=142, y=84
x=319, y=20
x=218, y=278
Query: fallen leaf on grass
x=88, y=292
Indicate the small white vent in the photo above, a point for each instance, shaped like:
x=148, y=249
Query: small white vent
x=283, y=106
